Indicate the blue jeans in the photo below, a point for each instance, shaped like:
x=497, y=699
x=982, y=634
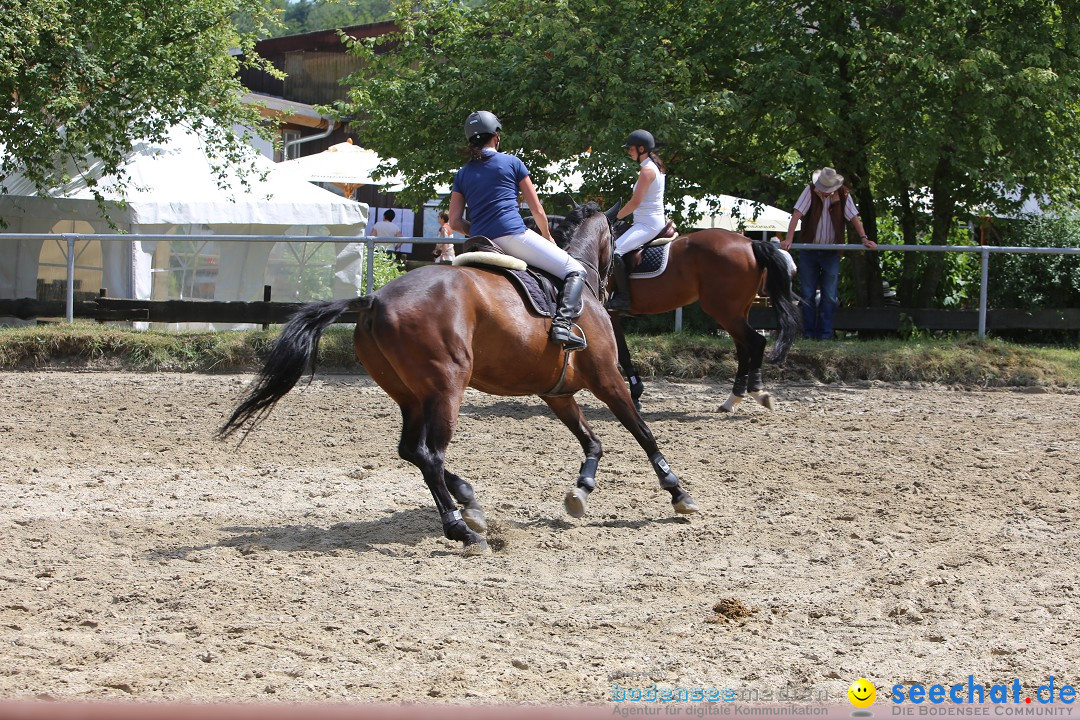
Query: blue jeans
x=819, y=270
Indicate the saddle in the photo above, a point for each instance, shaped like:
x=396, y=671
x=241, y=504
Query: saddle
x=634, y=258
x=539, y=290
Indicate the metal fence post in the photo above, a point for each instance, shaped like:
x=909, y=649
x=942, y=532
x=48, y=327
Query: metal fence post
x=70, y=278
x=369, y=265
x=983, y=282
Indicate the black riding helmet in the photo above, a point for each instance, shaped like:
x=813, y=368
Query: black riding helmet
x=641, y=138
x=481, y=122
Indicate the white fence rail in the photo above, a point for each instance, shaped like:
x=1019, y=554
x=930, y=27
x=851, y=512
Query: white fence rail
x=984, y=251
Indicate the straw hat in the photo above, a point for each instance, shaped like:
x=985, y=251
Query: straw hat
x=827, y=180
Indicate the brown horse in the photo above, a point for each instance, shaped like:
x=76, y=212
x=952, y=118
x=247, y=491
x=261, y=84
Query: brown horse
x=481, y=336
x=723, y=270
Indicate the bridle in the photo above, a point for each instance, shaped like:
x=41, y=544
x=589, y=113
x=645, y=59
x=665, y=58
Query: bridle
x=594, y=267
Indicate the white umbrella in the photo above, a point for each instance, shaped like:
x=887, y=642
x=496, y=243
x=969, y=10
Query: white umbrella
x=346, y=165
x=738, y=214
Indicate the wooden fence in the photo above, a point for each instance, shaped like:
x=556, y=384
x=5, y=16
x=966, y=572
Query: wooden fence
x=270, y=313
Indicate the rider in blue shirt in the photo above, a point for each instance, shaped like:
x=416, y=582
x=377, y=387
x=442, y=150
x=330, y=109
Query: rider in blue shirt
x=489, y=185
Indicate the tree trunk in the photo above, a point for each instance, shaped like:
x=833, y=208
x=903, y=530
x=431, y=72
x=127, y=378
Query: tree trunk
x=864, y=267
x=941, y=217
x=911, y=263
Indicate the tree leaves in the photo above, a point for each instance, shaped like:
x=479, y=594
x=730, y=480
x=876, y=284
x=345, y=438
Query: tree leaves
x=88, y=78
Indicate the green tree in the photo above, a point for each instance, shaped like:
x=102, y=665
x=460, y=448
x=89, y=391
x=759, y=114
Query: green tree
x=932, y=110
x=301, y=16
x=979, y=108
x=88, y=78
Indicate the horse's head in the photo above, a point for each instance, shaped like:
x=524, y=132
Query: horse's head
x=586, y=234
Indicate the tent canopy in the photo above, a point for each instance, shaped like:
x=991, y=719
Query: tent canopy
x=346, y=165
x=179, y=182
x=173, y=187
x=734, y=213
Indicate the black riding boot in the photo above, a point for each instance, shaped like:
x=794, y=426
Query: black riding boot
x=562, y=329
x=620, y=299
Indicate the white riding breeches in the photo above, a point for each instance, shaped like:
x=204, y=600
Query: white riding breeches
x=535, y=250
x=638, y=234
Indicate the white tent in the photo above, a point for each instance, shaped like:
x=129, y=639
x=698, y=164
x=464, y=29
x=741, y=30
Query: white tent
x=346, y=165
x=739, y=214
x=180, y=188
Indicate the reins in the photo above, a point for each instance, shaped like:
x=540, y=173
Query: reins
x=594, y=267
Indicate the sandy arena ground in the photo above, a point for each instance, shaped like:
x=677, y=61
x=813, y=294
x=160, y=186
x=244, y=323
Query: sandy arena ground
x=904, y=534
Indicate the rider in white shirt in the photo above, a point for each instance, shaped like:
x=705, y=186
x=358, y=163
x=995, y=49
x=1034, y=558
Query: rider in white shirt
x=647, y=205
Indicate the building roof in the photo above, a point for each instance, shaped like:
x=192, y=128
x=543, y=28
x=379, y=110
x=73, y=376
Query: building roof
x=322, y=40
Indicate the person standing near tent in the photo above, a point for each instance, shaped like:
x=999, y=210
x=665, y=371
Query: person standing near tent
x=489, y=185
x=444, y=252
x=387, y=228
x=825, y=204
x=647, y=205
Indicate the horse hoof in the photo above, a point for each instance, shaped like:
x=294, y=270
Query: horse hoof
x=637, y=405
x=480, y=547
x=474, y=518
x=764, y=398
x=730, y=404
x=686, y=506
x=575, y=502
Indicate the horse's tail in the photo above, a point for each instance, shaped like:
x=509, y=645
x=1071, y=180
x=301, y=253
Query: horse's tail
x=294, y=351
x=778, y=283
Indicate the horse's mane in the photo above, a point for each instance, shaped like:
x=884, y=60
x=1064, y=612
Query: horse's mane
x=564, y=230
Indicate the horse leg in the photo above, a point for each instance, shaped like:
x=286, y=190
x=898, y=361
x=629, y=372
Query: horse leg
x=738, y=389
x=613, y=393
x=567, y=410
x=755, y=384
x=471, y=511
x=425, y=434
x=749, y=352
x=626, y=362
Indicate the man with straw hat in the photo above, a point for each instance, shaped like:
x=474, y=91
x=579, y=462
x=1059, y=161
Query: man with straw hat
x=823, y=207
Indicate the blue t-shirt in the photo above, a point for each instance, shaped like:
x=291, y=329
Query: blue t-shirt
x=490, y=187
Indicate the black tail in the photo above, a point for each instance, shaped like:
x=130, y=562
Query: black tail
x=293, y=353
x=778, y=283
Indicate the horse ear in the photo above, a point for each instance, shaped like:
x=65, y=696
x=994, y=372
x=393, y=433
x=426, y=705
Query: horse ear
x=573, y=202
x=613, y=213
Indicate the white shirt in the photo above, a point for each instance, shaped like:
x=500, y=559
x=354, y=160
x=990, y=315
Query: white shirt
x=651, y=209
x=385, y=228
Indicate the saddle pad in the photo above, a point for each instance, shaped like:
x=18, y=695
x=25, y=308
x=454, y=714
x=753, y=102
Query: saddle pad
x=653, y=261
x=480, y=257
x=537, y=289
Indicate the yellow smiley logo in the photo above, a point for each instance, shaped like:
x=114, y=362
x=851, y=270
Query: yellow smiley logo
x=862, y=693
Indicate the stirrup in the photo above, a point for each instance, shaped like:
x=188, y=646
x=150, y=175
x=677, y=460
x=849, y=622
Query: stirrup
x=618, y=302
x=564, y=335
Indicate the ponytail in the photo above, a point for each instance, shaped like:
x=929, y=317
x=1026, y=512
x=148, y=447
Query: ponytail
x=659, y=163
x=477, y=143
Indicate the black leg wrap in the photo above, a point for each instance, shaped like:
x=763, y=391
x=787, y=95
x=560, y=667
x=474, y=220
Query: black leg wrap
x=668, y=479
x=755, y=383
x=739, y=388
x=587, y=475
x=454, y=526
x=636, y=386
